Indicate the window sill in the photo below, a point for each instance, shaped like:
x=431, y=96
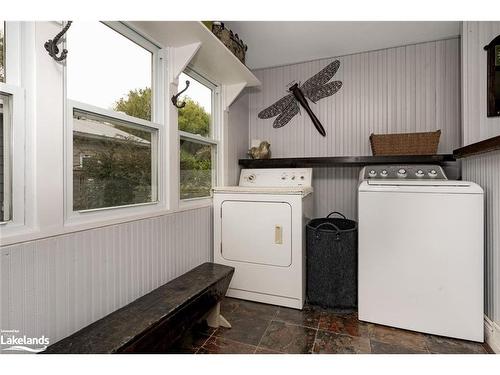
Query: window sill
x=193, y=203
x=36, y=234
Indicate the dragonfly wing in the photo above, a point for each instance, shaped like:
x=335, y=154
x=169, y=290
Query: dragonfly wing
x=317, y=93
x=286, y=115
x=279, y=107
x=322, y=77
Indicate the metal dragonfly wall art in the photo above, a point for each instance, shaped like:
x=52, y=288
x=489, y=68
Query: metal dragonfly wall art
x=314, y=89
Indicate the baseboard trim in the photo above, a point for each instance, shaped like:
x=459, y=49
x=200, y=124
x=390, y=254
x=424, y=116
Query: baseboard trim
x=492, y=334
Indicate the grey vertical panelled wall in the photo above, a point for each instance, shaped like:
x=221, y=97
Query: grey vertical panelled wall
x=405, y=89
x=237, y=137
x=483, y=169
x=476, y=125
x=55, y=286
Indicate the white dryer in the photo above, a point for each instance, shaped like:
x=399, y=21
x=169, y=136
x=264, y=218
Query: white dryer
x=421, y=251
x=259, y=229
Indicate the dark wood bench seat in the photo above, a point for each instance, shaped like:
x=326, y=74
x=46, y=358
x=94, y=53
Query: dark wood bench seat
x=153, y=322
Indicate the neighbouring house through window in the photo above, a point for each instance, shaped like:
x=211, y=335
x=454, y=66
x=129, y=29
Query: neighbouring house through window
x=111, y=162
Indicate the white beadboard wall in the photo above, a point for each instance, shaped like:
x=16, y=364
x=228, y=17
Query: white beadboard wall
x=237, y=136
x=485, y=171
x=56, y=286
x=406, y=89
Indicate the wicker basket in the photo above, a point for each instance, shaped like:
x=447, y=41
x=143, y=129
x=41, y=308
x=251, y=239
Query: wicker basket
x=405, y=143
x=230, y=40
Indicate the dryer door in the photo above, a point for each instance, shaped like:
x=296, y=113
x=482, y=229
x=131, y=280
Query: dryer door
x=257, y=232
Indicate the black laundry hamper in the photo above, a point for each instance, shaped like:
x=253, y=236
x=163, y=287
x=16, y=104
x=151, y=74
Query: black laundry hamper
x=332, y=262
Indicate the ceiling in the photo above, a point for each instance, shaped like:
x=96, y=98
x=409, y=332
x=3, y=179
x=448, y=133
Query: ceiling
x=274, y=43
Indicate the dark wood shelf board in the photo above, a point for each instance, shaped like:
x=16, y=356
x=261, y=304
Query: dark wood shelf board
x=345, y=161
x=482, y=147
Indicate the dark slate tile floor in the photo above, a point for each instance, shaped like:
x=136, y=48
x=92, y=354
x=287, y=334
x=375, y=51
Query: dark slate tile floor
x=266, y=329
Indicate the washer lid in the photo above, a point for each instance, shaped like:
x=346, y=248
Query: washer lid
x=298, y=190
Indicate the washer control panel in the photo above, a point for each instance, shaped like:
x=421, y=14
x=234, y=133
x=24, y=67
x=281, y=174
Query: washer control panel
x=287, y=177
x=412, y=171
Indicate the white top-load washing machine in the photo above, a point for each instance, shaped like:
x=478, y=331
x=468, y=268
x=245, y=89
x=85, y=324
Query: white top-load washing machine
x=421, y=251
x=259, y=229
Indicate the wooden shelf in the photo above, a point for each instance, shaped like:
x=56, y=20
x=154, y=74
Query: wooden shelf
x=212, y=58
x=345, y=161
x=488, y=145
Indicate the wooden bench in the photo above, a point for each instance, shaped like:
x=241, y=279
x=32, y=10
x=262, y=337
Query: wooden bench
x=153, y=322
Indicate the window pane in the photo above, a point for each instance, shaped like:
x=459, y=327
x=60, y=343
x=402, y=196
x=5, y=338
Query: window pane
x=5, y=122
x=2, y=51
x=196, y=169
x=108, y=70
x=112, y=162
x=196, y=116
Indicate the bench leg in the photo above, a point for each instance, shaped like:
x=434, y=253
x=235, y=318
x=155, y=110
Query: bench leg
x=215, y=319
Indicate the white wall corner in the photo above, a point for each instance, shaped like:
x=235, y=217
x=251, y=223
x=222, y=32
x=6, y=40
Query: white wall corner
x=492, y=334
x=180, y=58
x=231, y=92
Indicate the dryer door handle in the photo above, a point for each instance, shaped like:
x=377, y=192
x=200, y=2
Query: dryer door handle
x=278, y=234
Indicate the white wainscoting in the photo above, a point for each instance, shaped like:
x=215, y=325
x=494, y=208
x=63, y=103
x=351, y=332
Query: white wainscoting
x=56, y=286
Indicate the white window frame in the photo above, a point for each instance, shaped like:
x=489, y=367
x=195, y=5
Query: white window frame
x=18, y=152
x=213, y=139
x=14, y=159
x=75, y=218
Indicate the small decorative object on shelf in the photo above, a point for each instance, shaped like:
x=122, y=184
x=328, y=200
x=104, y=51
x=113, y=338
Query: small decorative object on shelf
x=230, y=40
x=493, y=79
x=262, y=151
x=405, y=143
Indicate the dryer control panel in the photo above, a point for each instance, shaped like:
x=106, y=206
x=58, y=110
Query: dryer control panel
x=398, y=172
x=286, y=177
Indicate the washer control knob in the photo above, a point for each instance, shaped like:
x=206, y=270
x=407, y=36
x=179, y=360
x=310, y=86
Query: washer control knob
x=372, y=173
x=384, y=173
x=402, y=172
x=433, y=173
x=419, y=173
x=302, y=177
x=283, y=177
x=251, y=178
x=293, y=177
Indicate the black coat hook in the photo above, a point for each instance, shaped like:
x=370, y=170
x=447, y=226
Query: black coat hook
x=176, y=97
x=51, y=44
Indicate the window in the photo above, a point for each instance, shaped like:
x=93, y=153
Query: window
x=198, y=144
x=13, y=170
x=5, y=180
x=112, y=139
x=2, y=51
